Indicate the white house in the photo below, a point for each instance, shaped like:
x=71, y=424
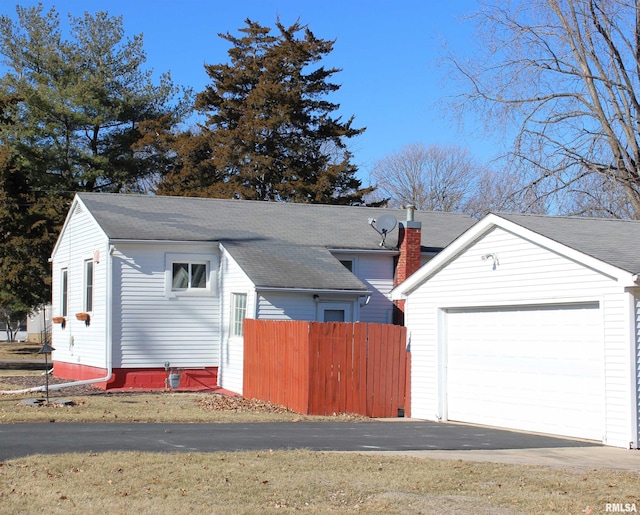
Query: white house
x=142, y=284
x=530, y=323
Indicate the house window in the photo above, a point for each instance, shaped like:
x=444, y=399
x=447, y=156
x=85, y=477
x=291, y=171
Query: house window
x=188, y=275
x=238, y=312
x=88, y=288
x=348, y=264
x=64, y=292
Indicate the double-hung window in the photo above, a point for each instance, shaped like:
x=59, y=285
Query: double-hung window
x=238, y=313
x=64, y=292
x=88, y=285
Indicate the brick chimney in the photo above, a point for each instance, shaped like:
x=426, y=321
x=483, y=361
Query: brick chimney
x=408, y=261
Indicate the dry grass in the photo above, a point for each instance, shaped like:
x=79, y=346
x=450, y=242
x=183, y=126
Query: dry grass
x=148, y=407
x=287, y=481
x=20, y=350
x=18, y=372
x=270, y=482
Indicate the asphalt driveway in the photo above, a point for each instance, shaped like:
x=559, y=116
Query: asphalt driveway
x=17, y=440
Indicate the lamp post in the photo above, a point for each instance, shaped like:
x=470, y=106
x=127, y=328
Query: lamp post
x=46, y=350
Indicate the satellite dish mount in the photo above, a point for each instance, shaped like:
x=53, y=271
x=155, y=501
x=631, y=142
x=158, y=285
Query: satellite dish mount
x=383, y=226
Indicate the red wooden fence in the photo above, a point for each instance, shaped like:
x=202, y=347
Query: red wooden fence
x=323, y=368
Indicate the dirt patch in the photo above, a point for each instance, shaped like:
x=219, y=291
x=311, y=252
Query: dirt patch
x=34, y=381
x=20, y=350
x=208, y=402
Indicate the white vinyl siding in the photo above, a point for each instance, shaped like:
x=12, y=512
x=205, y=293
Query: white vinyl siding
x=527, y=274
x=286, y=306
x=635, y=357
x=234, y=280
x=376, y=272
x=303, y=306
x=78, y=343
x=151, y=326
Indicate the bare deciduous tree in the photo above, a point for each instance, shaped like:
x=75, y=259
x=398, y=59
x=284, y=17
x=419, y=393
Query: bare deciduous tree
x=505, y=191
x=566, y=72
x=596, y=195
x=433, y=178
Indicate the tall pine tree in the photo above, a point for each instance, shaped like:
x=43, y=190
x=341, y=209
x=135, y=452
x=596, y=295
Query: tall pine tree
x=85, y=102
x=270, y=133
x=77, y=113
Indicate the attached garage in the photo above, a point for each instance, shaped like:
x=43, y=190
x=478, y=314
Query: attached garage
x=520, y=323
x=537, y=368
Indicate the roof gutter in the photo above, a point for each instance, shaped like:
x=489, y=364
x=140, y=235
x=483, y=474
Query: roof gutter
x=165, y=242
x=274, y=289
x=335, y=250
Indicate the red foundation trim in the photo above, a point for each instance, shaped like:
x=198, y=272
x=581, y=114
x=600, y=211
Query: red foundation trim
x=196, y=379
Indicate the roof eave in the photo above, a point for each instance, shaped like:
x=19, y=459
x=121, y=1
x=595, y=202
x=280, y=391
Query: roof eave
x=326, y=291
x=163, y=242
x=486, y=224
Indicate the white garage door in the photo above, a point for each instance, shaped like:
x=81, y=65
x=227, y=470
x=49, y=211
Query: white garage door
x=535, y=368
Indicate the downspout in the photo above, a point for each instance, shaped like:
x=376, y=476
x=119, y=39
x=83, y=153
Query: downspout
x=221, y=298
x=634, y=299
x=108, y=345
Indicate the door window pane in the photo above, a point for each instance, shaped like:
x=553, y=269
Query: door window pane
x=334, y=315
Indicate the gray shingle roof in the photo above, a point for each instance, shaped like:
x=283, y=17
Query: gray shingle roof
x=612, y=241
x=277, y=244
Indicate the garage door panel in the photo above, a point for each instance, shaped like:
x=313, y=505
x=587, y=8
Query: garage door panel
x=536, y=368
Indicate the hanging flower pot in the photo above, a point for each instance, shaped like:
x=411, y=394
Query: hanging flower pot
x=59, y=320
x=84, y=317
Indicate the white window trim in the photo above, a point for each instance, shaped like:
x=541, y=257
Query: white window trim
x=85, y=297
x=232, y=314
x=64, y=291
x=206, y=259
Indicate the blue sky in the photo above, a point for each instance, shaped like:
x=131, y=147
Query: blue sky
x=389, y=53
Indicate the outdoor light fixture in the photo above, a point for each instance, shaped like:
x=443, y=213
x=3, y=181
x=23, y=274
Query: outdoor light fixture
x=46, y=350
x=493, y=256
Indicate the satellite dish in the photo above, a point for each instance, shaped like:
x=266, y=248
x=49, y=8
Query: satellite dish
x=383, y=225
x=386, y=223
